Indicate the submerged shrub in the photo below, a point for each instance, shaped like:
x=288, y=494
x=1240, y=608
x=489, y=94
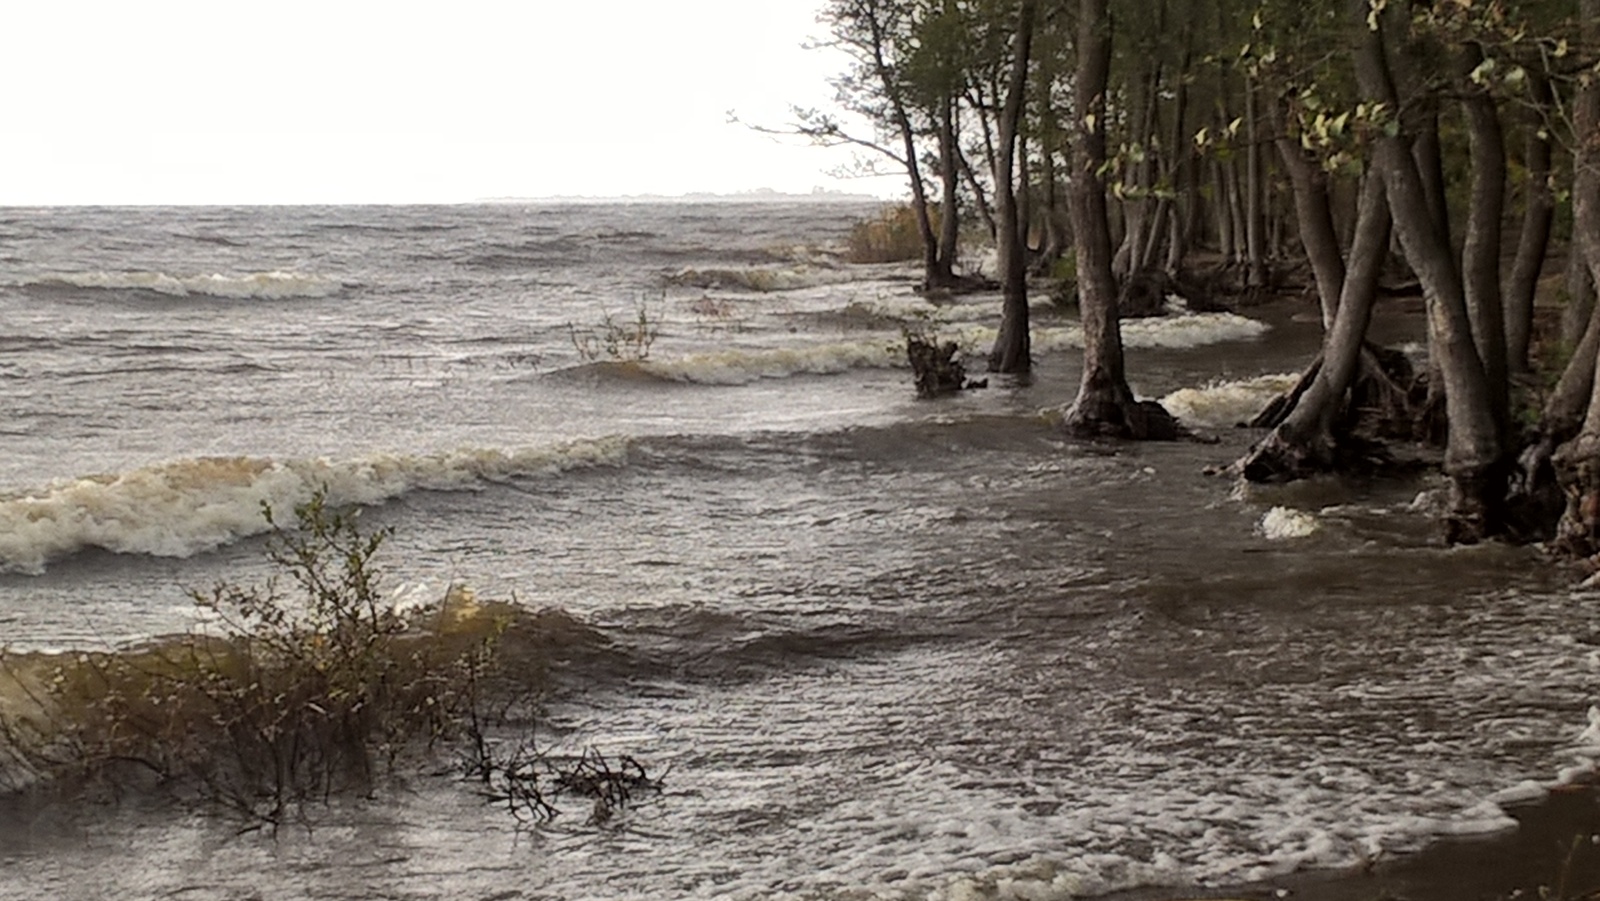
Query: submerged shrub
x=615, y=339
x=310, y=684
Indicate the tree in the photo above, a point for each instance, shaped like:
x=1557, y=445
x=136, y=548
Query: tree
x=1475, y=452
x=1105, y=405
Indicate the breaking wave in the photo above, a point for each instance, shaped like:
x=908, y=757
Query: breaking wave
x=761, y=279
x=275, y=285
x=186, y=507
x=739, y=367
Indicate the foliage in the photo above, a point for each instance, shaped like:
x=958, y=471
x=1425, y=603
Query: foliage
x=617, y=340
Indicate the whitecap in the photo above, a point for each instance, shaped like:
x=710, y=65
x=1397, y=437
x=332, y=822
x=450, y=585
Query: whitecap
x=274, y=285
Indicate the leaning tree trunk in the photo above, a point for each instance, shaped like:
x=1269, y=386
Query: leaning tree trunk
x=1105, y=404
x=1305, y=442
x=1474, y=455
x=1012, y=351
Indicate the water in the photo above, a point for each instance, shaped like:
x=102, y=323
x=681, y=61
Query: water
x=883, y=647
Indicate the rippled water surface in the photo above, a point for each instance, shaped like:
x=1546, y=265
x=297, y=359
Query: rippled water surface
x=880, y=647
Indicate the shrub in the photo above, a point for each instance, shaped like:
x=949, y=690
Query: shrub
x=891, y=237
x=310, y=685
x=305, y=690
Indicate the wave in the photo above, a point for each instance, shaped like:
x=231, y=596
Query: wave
x=1222, y=405
x=740, y=367
x=745, y=365
x=190, y=506
x=274, y=285
x=762, y=279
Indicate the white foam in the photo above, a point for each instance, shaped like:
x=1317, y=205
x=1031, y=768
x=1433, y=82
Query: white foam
x=1282, y=523
x=1227, y=403
x=189, y=506
x=1170, y=332
x=274, y=285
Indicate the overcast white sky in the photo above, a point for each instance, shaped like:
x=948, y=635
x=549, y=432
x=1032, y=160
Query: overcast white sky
x=342, y=101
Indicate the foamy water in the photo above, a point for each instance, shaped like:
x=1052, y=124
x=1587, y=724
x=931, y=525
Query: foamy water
x=883, y=648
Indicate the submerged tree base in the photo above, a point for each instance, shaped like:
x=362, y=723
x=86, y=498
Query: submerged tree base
x=1108, y=415
x=1577, y=466
x=1381, y=406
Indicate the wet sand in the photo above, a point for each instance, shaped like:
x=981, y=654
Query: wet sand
x=1554, y=853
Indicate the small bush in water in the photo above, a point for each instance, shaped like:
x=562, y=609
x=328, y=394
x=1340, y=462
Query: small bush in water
x=310, y=687
x=627, y=341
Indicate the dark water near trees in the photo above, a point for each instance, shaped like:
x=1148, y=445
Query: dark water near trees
x=882, y=647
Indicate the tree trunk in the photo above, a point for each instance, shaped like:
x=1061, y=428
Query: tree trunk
x=1012, y=351
x=949, y=215
x=980, y=197
x=1480, y=253
x=1575, y=314
x=1533, y=244
x=908, y=138
x=1474, y=456
x=1105, y=404
x=1314, y=214
x=1254, y=239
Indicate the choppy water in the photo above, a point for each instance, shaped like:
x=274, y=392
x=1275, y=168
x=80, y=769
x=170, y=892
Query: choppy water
x=887, y=648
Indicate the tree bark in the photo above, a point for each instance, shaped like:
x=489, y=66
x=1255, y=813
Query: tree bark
x=1255, y=240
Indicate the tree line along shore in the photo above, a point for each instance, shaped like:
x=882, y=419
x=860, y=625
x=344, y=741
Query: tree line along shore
x=1134, y=148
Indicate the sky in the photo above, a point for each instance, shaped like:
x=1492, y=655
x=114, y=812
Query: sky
x=353, y=101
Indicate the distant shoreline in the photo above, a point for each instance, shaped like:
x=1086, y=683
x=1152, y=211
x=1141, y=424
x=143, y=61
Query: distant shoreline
x=773, y=198
x=741, y=197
